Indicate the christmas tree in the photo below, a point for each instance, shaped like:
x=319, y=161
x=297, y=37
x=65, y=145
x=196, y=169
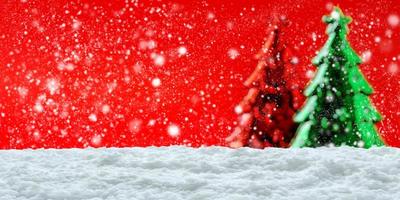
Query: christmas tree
x=338, y=110
x=266, y=112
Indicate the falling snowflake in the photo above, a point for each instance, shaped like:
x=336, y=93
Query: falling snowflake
x=152, y=122
x=66, y=66
x=329, y=6
x=238, y=109
x=36, y=135
x=393, y=20
x=63, y=133
x=329, y=98
x=295, y=60
x=105, y=109
x=38, y=108
x=137, y=68
x=96, y=140
x=210, y=16
x=314, y=36
x=135, y=125
x=366, y=56
x=335, y=15
x=76, y=24
x=233, y=53
x=310, y=74
x=156, y=82
x=182, y=51
x=158, y=59
x=393, y=68
x=377, y=39
x=173, y=130
x=151, y=44
x=52, y=85
x=111, y=87
x=22, y=91
x=93, y=117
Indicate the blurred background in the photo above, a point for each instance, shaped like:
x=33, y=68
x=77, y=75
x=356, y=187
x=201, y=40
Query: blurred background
x=80, y=73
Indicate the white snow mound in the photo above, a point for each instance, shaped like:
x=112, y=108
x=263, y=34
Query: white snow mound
x=207, y=173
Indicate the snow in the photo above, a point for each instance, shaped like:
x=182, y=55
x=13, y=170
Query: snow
x=53, y=85
x=159, y=60
x=93, y=117
x=294, y=60
x=96, y=140
x=22, y=91
x=105, y=109
x=377, y=39
x=206, y=173
x=335, y=15
x=38, y=107
x=182, y=51
x=66, y=66
x=135, y=125
x=393, y=20
x=156, y=82
x=76, y=24
x=210, y=16
x=366, y=56
x=310, y=74
x=393, y=68
x=238, y=109
x=173, y=130
x=233, y=53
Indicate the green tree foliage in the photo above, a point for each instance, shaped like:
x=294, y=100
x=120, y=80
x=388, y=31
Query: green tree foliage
x=338, y=110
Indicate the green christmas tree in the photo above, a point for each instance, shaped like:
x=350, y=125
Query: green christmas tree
x=338, y=110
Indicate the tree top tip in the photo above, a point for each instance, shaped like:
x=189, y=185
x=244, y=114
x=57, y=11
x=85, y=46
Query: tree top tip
x=336, y=16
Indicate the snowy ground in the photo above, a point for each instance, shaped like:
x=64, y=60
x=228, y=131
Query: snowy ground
x=207, y=173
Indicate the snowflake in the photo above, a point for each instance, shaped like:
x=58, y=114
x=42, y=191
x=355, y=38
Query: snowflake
x=393, y=20
x=366, y=56
x=238, y=109
x=38, y=108
x=158, y=59
x=182, y=51
x=156, y=82
x=135, y=125
x=76, y=24
x=233, y=53
x=173, y=130
x=393, y=68
x=93, y=117
x=105, y=109
x=52, y=85
x=96, y=140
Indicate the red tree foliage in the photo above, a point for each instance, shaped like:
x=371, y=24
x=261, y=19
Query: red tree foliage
x=265, y=113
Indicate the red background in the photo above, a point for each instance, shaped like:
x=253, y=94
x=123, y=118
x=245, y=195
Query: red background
x=111, y=50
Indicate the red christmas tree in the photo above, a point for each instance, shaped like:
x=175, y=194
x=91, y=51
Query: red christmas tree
x=266, y=112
